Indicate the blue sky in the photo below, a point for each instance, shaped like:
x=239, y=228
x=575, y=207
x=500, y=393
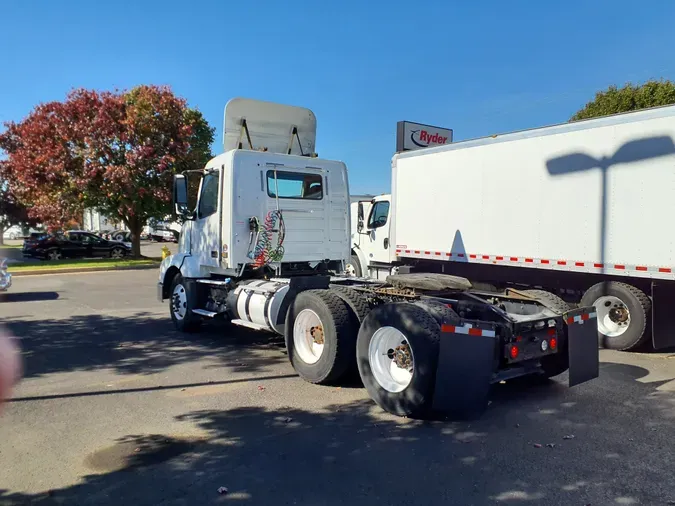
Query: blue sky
x=479, y=67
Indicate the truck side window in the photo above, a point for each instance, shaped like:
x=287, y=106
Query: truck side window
x=379, y=214
x=208, y=202
x=295, y=185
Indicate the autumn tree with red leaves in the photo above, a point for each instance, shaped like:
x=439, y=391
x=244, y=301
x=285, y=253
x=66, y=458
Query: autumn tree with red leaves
x=115, y=152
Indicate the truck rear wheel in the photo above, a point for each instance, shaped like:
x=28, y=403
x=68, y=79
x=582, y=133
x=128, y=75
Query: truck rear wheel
x=623, y=314
x=320, y=337
x=550, y=300
x=181, y=303
x=356, y=301
x=397, y=353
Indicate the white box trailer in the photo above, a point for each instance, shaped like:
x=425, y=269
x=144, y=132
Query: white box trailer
x=264, y=249
x=581, y=209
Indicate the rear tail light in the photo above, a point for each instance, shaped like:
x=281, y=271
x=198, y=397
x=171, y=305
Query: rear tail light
x=553, y=343
x=514, y=352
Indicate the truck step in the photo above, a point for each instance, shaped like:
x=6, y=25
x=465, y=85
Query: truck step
x=250, y=325
x=214, y=282
x=204, y=312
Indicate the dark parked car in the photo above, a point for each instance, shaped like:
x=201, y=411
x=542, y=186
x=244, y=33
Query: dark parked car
x=74, y=244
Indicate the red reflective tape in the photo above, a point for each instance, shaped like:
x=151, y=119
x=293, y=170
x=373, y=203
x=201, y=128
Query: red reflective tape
x=640, y=268
x=398, y=251
x=665, y=269
x=473, y=331
x=544, y=261
x=447, y=328
x=500, y=258
x=460, y=255
x=407, y=251
x=570, y=319
x=562, y=262
x=472, y=256
x=579, y=264
x=437, y=253
x=585, y=316
x=486, y=257
x=599, y=266
x=513, y=259
x=448, y=254
x=417, y=252
x=619, y=266
x=529, y=260
x=427, y=252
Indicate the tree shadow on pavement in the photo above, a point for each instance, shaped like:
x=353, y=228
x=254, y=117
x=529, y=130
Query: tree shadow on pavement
x=140, y=344
x=543, y=443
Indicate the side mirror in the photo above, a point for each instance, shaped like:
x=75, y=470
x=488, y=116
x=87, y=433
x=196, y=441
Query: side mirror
x=180, y=195
x=359, y=226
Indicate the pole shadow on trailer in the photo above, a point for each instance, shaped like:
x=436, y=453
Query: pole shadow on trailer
x=633, y=151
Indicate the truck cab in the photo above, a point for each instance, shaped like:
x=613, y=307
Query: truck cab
x=371, y=225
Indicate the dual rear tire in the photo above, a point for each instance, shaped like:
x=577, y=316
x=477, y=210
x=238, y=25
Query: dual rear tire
x=395, y=348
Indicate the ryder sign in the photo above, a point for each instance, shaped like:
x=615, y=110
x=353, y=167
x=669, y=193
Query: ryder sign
x=411, y=136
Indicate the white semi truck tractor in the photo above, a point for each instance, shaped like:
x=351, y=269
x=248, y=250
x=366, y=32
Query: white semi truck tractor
x=263, y=249
x=579, y=209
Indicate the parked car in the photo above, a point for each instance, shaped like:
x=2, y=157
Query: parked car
x=13, y=232
x=74, y=244
x=5, y=277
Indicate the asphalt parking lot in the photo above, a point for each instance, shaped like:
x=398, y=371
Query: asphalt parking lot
x=118, y=408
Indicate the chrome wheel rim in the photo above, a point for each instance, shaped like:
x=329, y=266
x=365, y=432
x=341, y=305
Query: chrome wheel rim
x=179, y=302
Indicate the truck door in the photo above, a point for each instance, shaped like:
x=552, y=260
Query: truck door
x=205, y=230
x=375, y=244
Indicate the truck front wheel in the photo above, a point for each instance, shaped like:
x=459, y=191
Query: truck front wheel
x=181, y=303
x=397, y=353
x=320, y=337
x=623, y=314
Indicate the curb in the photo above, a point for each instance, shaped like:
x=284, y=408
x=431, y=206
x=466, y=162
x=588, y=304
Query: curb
x=75, y=270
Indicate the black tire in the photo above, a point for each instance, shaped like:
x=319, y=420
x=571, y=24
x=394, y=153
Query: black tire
x=356, y=301
x=122, y=252
x=356, y=263
x=638, y=305
x=191, y=322
x=550, y=300
x=423, y=333
x=338, y=353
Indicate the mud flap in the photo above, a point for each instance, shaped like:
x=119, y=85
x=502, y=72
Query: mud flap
x=464, y=370
x=663, y=299
x=582, y=341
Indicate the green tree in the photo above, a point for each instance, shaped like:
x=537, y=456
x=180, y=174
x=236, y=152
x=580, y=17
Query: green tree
x=631, y=97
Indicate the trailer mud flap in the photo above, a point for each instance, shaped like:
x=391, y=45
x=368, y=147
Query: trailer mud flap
x=582, y=341
x=464, y=372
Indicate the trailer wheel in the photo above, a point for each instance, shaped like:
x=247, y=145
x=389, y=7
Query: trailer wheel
x=397, y=353
x=181, y=303
x=550, y=300
x=623, y=314
x=319, y=336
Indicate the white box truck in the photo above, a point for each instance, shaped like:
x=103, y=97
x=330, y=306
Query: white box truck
x=264, y=247
x=580, y=209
